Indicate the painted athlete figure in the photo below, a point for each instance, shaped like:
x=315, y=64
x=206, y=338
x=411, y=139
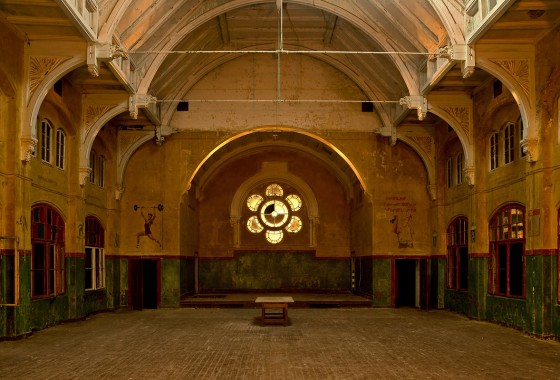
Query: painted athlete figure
x=148, y=221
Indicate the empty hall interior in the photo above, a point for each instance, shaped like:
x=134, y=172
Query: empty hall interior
x=380, y=153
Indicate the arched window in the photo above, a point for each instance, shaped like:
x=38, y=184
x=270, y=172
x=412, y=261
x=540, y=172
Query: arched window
x=449, y=173
x=493, y=151
x=458, y=254
x=95, y=257
x=46, y=141
x=507, y=252
x=459, y=165
x=48, y=266
x=101, y=171
x=509, y=143
x=60, y=147
x=92, y=159
x=274, y=212
x=521, y=136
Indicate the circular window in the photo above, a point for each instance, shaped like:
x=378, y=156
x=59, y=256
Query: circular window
x=274, y=213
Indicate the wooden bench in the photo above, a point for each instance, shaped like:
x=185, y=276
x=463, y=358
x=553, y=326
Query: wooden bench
x=274, y=309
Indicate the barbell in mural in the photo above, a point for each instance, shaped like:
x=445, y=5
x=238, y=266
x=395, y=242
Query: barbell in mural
x=159, y=207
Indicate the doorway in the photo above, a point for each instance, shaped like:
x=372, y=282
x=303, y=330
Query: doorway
x=405, y=283
x=144, y=284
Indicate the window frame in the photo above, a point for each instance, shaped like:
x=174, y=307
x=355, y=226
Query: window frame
x=95, y=263
x=457, y=265
x=459, y=165
x=500, y=247
x=521, y=135
x=508, y=133
x=60, y=156
x=92, y=165
x=46, y=141
x=48, y=280
x=494, y=151
x=101, y=171
x=449, y=173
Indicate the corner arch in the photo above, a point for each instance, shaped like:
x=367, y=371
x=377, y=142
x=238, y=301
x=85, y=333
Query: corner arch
x=517, y=73
x=427, y=160
x=29, y=131
x=89, y=137
x=461, y=120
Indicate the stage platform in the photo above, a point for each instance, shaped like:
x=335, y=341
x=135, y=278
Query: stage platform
x=301, y=300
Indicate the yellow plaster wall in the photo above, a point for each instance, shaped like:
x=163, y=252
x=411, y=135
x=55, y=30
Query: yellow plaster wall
x=154, y=176
x=255, y=78
x=11, y=76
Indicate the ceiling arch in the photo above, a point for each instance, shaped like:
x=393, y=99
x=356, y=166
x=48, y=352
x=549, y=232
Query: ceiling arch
x=309, y=25
x=280, y=137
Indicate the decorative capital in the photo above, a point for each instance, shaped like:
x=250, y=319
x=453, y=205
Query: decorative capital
x=463, y=53
x=97, y=52
x=467, y=71
x=119, y=190
x=390, y=132
x=418, y=102
x=93, y=69
x=137, y=101
x=162, y=131
x=531, y=149
x=432, y=191
x=92, y=56
x=28, y=145
x=84, y=175
x=469, y=175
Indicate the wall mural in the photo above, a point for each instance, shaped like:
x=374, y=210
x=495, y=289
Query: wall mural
x=402, y=221
x=149, y=219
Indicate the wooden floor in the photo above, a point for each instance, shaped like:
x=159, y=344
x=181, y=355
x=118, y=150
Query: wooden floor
x=301, y=300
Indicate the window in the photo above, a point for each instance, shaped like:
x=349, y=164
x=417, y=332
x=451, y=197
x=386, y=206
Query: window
x=509, y=142
x=498, y=88
x=493, y=151
x=48, y=266
x=60, y=146
x=507, y=251
x=101, y=171
x=58, y=87
x=92, y=159
x=46, y=137
x=459, y=165
x=449, y=173
x=274, y=213
x=521, y=136
x=458, y=254
x=95, y=257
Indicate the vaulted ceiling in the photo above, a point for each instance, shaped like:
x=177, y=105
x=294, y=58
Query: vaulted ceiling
x=380, y=44
x=344, y=27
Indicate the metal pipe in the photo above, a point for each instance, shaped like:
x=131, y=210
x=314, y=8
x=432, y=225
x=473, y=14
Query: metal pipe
x=273, y=101
x=283, y=51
